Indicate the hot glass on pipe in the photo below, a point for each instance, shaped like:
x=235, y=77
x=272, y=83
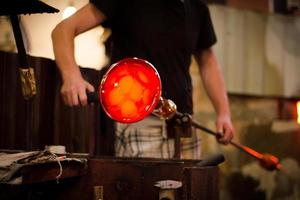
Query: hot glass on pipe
x=131, y=90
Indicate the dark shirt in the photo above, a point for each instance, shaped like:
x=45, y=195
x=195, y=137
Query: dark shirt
x=164, y=32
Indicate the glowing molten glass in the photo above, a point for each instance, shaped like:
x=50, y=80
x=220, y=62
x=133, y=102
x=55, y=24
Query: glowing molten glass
x=130, y=90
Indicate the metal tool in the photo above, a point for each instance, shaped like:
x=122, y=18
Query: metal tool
x=119, y=85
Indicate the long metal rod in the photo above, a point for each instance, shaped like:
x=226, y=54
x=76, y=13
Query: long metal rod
x=267, y=161
x=244, y=148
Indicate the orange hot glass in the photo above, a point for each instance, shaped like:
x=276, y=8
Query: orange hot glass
x=130, y=90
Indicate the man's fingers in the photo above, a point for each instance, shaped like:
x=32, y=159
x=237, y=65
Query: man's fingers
x=74, y=99
x=82, y=98
x=89, y=87
x=225, y=136
x=75, y=94
x=219, y=134
x=67, y=98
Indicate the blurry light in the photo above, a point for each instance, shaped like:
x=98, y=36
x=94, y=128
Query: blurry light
x=298, y=112
x=70, y=10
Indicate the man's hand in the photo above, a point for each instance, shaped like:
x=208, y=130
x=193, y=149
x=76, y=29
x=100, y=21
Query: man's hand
x=74, y=90
x=214, y=85
x=224, y=129
x=74, y=87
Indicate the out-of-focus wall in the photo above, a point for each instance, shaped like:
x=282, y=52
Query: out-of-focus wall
x=259, y=52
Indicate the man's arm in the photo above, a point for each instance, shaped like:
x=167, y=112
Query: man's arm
x=214, y=85
x=74, y=86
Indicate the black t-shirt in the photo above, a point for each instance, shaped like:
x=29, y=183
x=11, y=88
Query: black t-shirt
x=156, y=30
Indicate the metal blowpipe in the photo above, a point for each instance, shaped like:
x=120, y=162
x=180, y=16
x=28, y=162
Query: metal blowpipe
x=167, y=109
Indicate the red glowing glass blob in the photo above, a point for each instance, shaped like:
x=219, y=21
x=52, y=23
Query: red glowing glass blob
x=130, y=90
